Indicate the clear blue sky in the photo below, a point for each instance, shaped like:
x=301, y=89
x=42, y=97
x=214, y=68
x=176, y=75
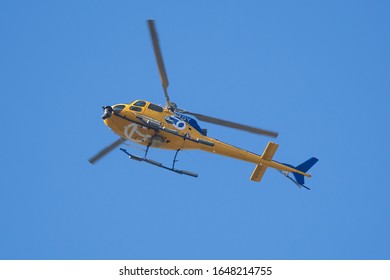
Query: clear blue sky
x=316, y=71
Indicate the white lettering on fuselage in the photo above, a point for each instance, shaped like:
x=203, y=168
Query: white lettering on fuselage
x=184, y=118
x=176, y=122
x=132, y=133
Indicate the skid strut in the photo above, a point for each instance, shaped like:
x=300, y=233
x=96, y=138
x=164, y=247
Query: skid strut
x=158, y=164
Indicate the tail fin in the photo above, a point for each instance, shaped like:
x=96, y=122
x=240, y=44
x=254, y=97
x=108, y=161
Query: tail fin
x=304, y=167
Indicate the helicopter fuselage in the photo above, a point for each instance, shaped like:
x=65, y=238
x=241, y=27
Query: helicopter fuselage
x=154, y=126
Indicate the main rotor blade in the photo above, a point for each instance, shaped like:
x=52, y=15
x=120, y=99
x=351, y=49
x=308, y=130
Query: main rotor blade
x=233, y=125
x=160, y=62
x=106, y=150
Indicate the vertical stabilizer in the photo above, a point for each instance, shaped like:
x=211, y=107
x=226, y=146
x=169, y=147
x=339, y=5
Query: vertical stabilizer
x=304, y=167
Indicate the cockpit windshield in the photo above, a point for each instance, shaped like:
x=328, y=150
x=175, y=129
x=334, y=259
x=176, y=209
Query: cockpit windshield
x=155, y=108
x=118, y=108
x=139, y=103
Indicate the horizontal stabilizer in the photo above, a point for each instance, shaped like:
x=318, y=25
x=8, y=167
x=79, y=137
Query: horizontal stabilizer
x=258, y=173
x=270, y=150
x=268, y=154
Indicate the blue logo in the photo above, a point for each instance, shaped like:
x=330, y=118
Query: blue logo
x=178, y=123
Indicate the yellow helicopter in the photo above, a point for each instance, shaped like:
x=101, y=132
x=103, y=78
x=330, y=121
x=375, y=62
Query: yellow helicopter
x=171, y=128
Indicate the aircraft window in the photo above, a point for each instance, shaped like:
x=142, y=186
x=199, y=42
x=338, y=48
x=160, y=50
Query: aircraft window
x=137, y=109
x=118, y=108
x=140, y=103
x=155, y=108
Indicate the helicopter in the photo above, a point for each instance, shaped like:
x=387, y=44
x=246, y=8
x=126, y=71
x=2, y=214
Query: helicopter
x=176, y=129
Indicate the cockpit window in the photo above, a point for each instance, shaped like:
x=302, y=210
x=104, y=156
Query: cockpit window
x=118, y=108
x=155, y=108
x=140, y=103
x=137, y=109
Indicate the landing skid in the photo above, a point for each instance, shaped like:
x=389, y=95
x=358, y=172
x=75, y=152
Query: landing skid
x=158, y=164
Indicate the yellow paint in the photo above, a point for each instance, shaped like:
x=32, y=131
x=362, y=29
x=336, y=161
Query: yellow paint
x=132, y=129
x=267, y=155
